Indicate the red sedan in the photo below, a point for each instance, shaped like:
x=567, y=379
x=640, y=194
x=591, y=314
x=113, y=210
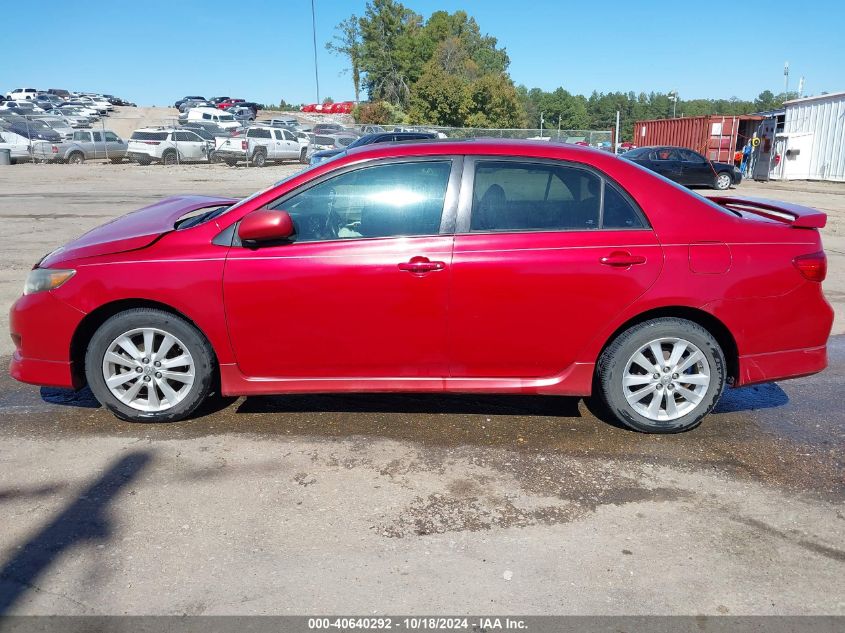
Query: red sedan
x=474, y=266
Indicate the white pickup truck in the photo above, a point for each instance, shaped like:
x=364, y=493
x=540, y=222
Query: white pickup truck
x=261, y=145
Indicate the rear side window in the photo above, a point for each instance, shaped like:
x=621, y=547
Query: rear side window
x=514, y=196
x=397, y=199
x=619, y=211
x=149, y=136
x=523, y=196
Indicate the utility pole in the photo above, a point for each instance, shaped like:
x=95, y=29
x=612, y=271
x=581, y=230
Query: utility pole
x=786, y=77
x=314, y=33
x=541, y=125
x=616, y=145
x=801, y=87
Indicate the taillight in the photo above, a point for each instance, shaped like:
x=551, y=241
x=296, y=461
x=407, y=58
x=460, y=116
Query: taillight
x=243, y=145
x=151, y=142
x=812, y=266
x=55, y=149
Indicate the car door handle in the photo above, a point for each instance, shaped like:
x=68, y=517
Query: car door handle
x=421, y=265
x=622, y=259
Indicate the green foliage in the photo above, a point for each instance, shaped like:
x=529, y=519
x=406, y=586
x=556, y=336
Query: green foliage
x=328, y=100
x=347, y=42
x=443, y=69
x=378, y=113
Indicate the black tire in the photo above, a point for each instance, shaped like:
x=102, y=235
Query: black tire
x=116, y=161
x=187, y=334
x=723, y=181
x=169, y=157
x=612, y=366
x=76, y=158
x=303, y=156
x=259, y=158
x=231, y=162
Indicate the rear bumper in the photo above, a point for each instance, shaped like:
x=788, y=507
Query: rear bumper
x=792, y=363
x=232, y=155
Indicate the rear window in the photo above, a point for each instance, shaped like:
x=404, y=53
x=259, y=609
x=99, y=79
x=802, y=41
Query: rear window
x=343, y=142
x=227, y=117
x=258, y=133
x=149, y=136
x=324, y=140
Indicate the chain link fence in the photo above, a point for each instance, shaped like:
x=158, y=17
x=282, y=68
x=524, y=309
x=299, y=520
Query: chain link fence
x=30, y=135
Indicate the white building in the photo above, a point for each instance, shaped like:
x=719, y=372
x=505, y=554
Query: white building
x=812, y=143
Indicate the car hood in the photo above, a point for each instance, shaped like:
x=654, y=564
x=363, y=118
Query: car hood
x=134, y=230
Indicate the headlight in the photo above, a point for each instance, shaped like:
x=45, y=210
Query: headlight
x=46, y=279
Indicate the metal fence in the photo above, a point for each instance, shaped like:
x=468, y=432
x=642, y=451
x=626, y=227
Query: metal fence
x=123, y=126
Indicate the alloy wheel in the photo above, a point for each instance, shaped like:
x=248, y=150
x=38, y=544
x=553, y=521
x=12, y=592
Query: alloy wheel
x=666, y=379
x=148, y=369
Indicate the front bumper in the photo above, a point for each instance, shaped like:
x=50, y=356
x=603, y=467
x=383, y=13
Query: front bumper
x=42, y=329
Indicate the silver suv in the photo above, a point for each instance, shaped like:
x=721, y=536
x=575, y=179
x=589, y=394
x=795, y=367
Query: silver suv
x=169, y=146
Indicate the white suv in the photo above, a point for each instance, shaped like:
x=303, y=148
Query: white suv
x=22, y=94
x=168, y=146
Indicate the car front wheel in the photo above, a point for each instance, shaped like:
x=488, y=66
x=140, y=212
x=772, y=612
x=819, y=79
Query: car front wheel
x=148, y=365
x=661, y=376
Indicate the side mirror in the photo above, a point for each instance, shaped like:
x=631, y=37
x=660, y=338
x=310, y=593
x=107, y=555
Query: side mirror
x=266, y=225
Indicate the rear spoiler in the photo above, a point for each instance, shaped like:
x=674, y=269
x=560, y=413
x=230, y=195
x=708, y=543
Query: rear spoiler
x=794, y=214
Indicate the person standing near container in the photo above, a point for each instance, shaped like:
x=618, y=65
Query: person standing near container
x=746, y=158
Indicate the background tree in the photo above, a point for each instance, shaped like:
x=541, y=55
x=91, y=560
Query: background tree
x=388, y=33
x=347, y=42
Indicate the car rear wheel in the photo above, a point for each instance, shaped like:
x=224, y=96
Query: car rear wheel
x=723, y=181
x=661, y=376
x=168, y=158
x=259, y=159
x=303, y=158
x=76, y=158
x=148, y=365
x=116, y=161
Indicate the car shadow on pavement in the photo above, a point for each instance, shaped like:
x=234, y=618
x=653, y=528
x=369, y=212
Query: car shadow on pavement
x=554, y=406
x=70, y=398
x=766, y=396
x=86, y=519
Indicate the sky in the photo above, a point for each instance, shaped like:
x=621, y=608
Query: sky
x=153, y=52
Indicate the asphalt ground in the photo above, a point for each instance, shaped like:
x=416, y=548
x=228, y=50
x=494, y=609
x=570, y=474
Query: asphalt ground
x=402, y=503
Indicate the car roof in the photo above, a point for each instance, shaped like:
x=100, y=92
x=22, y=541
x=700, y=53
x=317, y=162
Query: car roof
x=478, y=146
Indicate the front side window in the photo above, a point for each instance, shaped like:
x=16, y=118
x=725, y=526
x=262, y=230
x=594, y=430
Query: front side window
x=396, y=199
x=112, y=137
x=514, y=196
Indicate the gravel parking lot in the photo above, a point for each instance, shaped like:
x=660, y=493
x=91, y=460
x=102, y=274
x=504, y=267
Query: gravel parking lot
x=406, y=504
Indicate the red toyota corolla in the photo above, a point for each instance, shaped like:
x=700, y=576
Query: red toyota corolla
x=476, y=266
